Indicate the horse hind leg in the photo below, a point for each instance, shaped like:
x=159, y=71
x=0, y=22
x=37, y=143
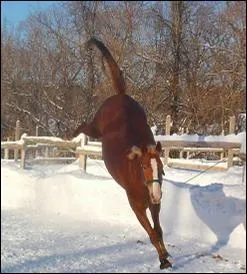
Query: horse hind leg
x=155, y=210
x=88, y=129
x=153, y=235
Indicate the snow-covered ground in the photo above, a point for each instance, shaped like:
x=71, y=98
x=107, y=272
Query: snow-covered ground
x=55, y=218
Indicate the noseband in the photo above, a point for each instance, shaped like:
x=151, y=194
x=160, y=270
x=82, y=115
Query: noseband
x=159, y=180
x=153, y=181
x=156, y=169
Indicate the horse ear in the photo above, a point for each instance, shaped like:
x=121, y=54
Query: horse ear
x=158, y=147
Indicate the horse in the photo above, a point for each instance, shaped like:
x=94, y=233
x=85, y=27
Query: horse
x=130, y=152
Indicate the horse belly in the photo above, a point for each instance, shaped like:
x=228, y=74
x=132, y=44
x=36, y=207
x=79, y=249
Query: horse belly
x=128, y=174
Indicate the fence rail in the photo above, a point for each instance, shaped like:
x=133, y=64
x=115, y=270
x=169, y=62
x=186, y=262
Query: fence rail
x=33, y=142
x=84, y=148
x=95, y=150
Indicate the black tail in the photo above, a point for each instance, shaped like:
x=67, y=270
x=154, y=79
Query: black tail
x=116, y=73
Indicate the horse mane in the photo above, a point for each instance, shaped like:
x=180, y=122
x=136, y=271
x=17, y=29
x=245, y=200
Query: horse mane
x=116, y=74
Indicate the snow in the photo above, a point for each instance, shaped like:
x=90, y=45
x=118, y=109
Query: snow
x=154, y=129
x=89, y=148
x=78, y=138
x=243, y=147
x=238, y=138
x=230, y=138
x=56, y=218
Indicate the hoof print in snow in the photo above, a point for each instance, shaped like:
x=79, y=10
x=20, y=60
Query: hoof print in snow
x=140, y=242
x=217, y=257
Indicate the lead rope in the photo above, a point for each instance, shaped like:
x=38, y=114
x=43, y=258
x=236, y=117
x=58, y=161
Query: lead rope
x=201, y=172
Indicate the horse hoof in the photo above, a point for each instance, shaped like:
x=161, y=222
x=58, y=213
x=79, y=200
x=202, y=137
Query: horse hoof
x=165, y=264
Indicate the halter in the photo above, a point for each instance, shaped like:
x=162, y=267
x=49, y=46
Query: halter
x=159, y=180
x=152, y=181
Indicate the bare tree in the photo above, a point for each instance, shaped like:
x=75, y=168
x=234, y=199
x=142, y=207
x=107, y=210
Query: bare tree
x=182, y=58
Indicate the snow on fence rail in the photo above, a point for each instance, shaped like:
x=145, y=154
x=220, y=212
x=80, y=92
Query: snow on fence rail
x=84, y=148
x=233, y=144
x=34, y=142
x=193, y=143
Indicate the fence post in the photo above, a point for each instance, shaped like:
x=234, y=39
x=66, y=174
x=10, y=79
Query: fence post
x=6, y=151
x=230, y=151
x=244, y=173
x=37, y=134
x=17, y=137
x=222, y=153
x=187, y=154
x=167, y=132
x=83, y=157
x=46, y=152
x=181, y=151
x=23, y=155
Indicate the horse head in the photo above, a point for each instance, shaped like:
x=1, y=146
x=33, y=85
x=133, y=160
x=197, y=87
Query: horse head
x=152, y=169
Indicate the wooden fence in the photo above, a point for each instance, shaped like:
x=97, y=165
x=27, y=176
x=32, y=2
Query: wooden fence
x=199, y=146
x=35, y=142
x=94, y=149
x=84, y=148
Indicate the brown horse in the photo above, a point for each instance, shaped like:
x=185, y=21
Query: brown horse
x=130, y=152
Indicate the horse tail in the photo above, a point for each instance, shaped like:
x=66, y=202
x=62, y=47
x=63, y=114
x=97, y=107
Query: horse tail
x=116, y=73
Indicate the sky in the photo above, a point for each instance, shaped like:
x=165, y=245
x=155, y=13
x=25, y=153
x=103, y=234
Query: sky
x=13, y=12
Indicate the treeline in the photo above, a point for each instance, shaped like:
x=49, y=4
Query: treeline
x=183, y=58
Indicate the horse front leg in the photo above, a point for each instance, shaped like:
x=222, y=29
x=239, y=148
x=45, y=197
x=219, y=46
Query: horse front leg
x=141, y=215
x=155, y=210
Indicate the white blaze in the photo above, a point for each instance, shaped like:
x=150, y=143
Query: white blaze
x=156, y=185
x=156, y=192
x=154, y=168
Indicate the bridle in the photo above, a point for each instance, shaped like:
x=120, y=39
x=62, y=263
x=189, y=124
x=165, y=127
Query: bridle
x=159, y=171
